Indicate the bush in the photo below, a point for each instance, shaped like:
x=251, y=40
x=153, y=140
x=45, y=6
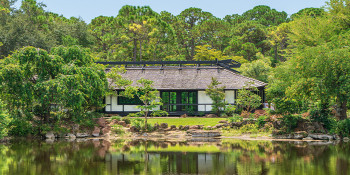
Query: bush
x=20, y=127
x=230, y=109
x=250, y=128
x=137, y=123
x=116, y=118
x=159, y=113
x=291, y=122
x=324, y=117
x=343, y=128
x=150, y=128
x=261, y=121
x=4, y=121
x=118, y=129
x=126, y=120
x=235, y=118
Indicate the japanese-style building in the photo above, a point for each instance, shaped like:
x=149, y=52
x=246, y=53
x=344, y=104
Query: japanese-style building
x=182, y=84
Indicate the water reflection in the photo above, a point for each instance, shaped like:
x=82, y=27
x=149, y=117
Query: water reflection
x=140, y=156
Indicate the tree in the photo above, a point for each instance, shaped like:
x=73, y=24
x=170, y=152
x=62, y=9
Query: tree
x=217, y=95
x=32, y=78
x=147, y=94
x=247, y=99
x=258, y=69
x=4, y=120
x=265, y=15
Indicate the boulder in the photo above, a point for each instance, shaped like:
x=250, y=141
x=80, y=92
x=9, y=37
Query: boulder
x=156, y=126
x=113, y=122
x=218, y=126
x=184, y=116
x=106, y=130
x=71, y=136
x=205, y=134
x=101, y=122
x=50, y=136
x=128, y=125
x=307, y=138
x=236, y=124
x=321, y=136
x=346, y=139
x=164, y=125
x=223, y=121
x=82, y=135
x=122, y=123
x=300, y=135
x=133, y=129
x=181, y=127
x=96, y=131
x=186, y=127
x=194, y=127
x=173, y=127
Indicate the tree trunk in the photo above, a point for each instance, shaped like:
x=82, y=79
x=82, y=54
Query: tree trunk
x=340, y=110
x=192, y=48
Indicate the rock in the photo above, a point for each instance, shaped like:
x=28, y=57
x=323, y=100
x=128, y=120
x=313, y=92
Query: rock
x=128, y=125
x=194, y=127
x=205, y=134
x=75, y=128
x=184, y=116
x=106, y=130
x=82, y=135
x=307, y=138
x=164, y=125
x=346, y=139
x=122, y=123
x=300, y=135
x=218, y=125
x=236, y=124
x=101, y=122
x=145, y=134
x=180, y=127
x=209, y=128
x=133, y=129
x=186, y=127
x=156, y=126
x=200, y=126
x=113, y=122
x=50, y=136
x=321, y=136
x=211, y=116
x=173, y=127
x=223, y=121
x=71, y=136
x=96, y=131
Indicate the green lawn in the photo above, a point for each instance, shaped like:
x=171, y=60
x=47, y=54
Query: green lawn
x=186, y=121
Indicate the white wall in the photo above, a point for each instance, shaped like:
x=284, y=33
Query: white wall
x=119, y=108
x=203, y=98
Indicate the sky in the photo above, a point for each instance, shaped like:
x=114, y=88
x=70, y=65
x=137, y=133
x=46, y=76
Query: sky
x=89, y=9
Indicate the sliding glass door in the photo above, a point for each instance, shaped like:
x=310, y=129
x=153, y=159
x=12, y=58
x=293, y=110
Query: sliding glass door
x=179, y=101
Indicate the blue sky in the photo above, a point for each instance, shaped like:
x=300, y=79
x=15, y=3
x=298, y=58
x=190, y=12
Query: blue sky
x=89, y=9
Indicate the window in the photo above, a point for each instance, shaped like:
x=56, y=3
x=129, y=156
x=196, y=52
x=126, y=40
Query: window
x=128, y=101
x=179, y=101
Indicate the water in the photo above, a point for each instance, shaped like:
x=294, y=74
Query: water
x=138, y=157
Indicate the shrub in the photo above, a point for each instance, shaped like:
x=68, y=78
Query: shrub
x=324, y=117
x=343, y=128
x=150, y=128
x=4, y=121
x=291, y=122
x=261, y=121
x=230, y=109
x=159, y=113
x=137, y=122
x=126, y=120
x=235, y=118
x=250, y=128
x=20, y=127
x=116, y=118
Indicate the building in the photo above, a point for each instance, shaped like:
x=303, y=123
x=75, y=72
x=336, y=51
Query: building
x=182, y=84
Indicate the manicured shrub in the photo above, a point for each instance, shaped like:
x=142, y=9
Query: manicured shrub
x=235, y=118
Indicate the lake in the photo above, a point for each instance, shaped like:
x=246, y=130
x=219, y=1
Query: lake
x=226, y=156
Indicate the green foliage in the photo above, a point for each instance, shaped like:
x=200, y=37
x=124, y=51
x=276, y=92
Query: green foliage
x=247, y=99
x=4, y=120
x=217, y=95
x=118, y=129
x=126, y=120
x=258, y=69
x=343, y=128
x=159, y=113
x=137, y=123
x=118, y=118
x=323, y=115
x=230, y=109
x=261, y=121
x=20, y=127
x=249, y=128
x=235, y=118
x=290, y=122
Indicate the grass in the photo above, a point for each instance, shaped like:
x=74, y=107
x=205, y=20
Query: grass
x=186, y=121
